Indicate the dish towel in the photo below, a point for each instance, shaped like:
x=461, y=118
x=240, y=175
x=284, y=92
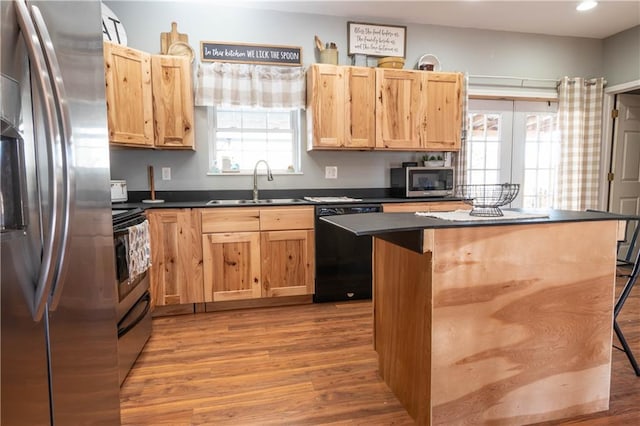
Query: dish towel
x=139, y=249
x=463, y=215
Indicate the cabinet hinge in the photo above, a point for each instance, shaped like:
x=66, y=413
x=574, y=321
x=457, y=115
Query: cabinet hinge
x=614, y=113
x=610, y=177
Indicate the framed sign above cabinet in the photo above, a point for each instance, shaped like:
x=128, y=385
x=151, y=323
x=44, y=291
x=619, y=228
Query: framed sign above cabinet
x=376, y=40
x=265, y=54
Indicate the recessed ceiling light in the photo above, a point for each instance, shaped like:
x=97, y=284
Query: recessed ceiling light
x=586, y=5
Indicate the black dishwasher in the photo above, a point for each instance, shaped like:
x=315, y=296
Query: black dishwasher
x=343, y=260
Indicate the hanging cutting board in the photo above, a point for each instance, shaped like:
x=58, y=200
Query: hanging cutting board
x=167, y=39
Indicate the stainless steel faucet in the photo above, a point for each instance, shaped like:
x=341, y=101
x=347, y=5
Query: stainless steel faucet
x=255, y=178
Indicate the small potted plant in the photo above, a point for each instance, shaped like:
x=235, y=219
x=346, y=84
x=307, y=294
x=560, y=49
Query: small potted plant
x=431, y=159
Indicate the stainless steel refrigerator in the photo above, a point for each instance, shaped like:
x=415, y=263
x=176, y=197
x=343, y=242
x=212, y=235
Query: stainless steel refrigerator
x=58, y=313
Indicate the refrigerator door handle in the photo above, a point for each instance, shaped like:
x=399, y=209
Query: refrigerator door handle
x=68, y=178
x=37, y=298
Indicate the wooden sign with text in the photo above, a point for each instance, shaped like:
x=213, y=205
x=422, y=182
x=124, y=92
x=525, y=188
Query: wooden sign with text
x=376, y=40
x=213, y=51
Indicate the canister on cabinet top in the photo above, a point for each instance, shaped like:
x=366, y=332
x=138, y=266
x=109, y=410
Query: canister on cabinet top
x=329, y=56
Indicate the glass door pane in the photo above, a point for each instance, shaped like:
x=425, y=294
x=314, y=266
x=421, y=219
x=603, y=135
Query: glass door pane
x=516, y=142
x=536, y=152
x=490, y=141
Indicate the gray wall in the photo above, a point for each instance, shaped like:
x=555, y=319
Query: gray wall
x=622, y=57
x=476, y=52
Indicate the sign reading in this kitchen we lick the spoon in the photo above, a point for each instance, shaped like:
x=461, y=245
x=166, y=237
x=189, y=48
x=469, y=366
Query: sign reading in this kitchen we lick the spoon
x=266, y=54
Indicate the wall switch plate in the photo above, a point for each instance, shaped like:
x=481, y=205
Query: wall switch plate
x=331, y=172
x=166, y=173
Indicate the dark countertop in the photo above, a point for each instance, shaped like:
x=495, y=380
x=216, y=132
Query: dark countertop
x=302, y=202
x=381, y=223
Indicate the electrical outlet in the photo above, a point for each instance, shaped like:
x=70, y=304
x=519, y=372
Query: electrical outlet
x=166, y=173
x=331, y=172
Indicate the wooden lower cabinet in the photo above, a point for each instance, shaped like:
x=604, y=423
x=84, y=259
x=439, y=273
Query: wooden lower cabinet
x=287, y=262
x=275, y=258
x=231, y=266
x=176, y=253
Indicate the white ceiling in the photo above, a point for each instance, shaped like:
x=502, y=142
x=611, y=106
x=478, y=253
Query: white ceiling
x=557, y=17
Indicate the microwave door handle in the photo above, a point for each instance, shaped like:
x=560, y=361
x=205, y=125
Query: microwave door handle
x=37, y=298
x=68, y=177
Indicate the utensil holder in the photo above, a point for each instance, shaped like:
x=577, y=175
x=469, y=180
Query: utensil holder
x=329, y=56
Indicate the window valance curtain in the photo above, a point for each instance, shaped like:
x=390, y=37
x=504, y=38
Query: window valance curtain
x=222, y=84
x=580, y=122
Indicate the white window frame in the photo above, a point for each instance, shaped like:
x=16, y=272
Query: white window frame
x=296, y=123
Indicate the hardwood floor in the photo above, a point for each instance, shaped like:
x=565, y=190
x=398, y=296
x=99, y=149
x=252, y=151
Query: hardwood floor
x=298, y=365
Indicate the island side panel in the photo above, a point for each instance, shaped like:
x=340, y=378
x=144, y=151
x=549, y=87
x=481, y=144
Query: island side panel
x=402, y=328
x=521, y=322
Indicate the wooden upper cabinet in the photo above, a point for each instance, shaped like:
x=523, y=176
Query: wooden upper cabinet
x=172, y=102
x=360, y=107
x=400, y=109
x=129, y=96
x=325, y=106
x=384, y=109
x=340, y=107
x=149, y=99
x=444, y=111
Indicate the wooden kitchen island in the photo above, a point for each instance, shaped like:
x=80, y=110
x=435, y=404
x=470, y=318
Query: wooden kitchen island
x=493, y=322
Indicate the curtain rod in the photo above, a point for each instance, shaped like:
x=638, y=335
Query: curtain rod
x=555, y=80
x=522, y=80
x=518, y=82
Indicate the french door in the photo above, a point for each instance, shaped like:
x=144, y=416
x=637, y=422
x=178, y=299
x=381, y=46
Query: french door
x=515, y=142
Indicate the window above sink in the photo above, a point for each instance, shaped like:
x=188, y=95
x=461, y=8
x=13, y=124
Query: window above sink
x=238, y=137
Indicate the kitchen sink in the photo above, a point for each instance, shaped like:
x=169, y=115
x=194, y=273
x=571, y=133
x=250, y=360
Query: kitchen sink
x=260, y=201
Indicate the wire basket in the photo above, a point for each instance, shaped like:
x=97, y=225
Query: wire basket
x=487, y=199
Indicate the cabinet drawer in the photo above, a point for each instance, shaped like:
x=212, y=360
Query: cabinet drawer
x=429, y=206
x=230, y=219
x=276, y=218
x=448, y=206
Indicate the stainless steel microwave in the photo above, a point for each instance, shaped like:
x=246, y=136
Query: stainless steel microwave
x=410, y=182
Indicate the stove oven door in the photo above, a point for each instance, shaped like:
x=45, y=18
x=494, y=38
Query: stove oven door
x=134, y=300
x=129, y=289
x=134, y=329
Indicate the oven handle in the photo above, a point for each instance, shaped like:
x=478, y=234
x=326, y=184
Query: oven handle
x=124, y=330
x=124, y=226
